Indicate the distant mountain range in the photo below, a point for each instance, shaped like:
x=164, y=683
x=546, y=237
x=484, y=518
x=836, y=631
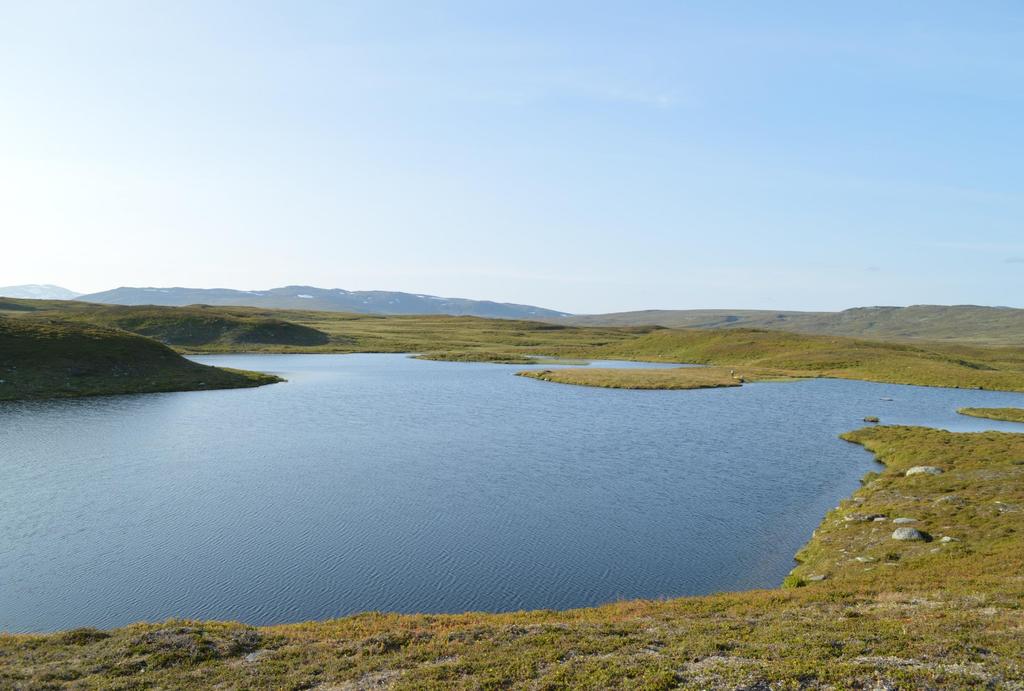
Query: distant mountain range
x=330, y=300
x=962, y=323
x=38, y=292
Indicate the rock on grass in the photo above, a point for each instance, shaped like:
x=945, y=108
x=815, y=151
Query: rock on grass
x=909, y=534
x=923, y=470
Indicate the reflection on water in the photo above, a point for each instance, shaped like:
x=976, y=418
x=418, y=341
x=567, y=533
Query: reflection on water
x=387, y=483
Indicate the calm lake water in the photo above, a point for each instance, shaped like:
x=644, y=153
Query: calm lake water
x=379, y=482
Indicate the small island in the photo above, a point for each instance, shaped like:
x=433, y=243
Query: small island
x=679, y=378
x=1005, y=414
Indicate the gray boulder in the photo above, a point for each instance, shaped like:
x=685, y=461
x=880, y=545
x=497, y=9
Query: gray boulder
x=904, y=520
x=910, y=534
x=923, y=470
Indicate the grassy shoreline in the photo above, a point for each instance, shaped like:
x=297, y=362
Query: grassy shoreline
x=888, y=613
x=681, y=378
x=55, y=359
x=1005, y=414
x=777, y=354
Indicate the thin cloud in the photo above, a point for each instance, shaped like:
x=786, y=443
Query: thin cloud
x=1015, y=260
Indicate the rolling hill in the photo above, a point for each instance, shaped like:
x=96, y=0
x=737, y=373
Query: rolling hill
x=961, y=323
x=199, y=325
x=760, y=352
x=320, y=299
x=45, y=358
x=953, y=323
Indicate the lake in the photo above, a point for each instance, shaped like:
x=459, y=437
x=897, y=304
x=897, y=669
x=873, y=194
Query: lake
x=380, y=482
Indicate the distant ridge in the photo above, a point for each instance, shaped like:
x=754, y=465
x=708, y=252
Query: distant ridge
x=961, y=323
x=329, y=300
x=34, y=291
x=955, y=323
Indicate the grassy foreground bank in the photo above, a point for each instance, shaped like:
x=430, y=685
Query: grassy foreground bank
x=56, y=359
x=887, y=614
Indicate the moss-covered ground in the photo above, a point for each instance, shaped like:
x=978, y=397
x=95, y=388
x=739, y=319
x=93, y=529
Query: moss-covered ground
x=756, y=355
x=57, y=359
x=748, y=352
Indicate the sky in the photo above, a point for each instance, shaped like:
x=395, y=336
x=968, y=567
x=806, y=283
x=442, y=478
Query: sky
x=582, y=156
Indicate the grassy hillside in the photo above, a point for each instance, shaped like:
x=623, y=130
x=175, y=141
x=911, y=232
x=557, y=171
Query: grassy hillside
x=198, y=326
x=47, y=359
x=218, y=329
x=691, y=319
x=754, y=353
x=337, y=332
x=873, y=612
x=954, y=323
x=1007, y=414
x=459, y=338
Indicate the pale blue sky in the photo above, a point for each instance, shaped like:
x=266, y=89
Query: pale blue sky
x=578, y=155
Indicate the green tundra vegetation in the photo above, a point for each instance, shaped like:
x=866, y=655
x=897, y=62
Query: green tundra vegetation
x=197, y=327
x=953, y=323
x=47, y=359
x=861, y=610
x=1007, y=414
x=619, y=378
x=478, y=356
x=755, y=355
x=939, y=607
x=455, y=338
x=751, y=353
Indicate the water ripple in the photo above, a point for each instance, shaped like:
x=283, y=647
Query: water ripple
x=381, y=482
